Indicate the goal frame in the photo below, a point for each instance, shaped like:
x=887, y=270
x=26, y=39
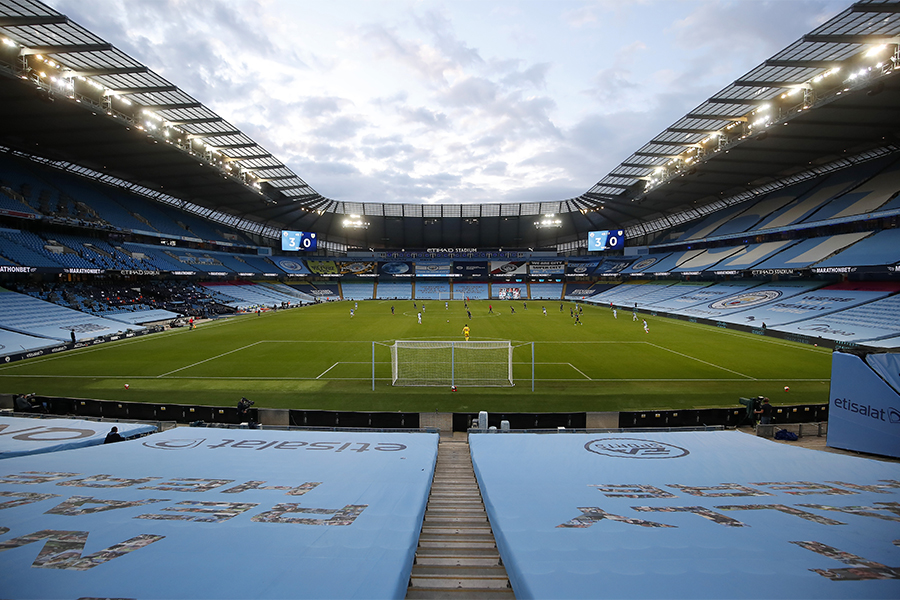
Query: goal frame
x=447, y=296
x=455, y=369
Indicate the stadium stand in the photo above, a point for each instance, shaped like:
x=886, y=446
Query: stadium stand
x=246, y=295
x=813, y=304
x=723, y=309
x=357, y=290
x=19, y=255
x=394, y=290
x=700, y=294
x=509, y=289
x=289, y=291
x=432, y=290
x=472, y=291
x=877, y=249
x=13, y=204
x=626, y=294
x=156, y=257
x=804, y=208
x=864, y=323
x=14, y=342
x=866, y=197
x=545, y=291
x=261, y=264
x=116, y=303
x=809, y=252
x=661, y=291
x=580, y=535
x=23, y=314
x=749, y=256
x=582, y=290
x=320, y=291
x=352, y=534
x=708, y=259
x=645, y=263
x=52, y=435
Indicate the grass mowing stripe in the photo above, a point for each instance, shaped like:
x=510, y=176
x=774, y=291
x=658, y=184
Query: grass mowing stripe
x=751, y=336
x=211, y=358
x=699, y=360
x=688, y=366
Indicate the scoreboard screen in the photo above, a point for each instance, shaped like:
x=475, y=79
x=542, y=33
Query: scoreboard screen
x=605, y=240
x=298, y=240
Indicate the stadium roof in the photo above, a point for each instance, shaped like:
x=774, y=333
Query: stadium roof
x=828, y=98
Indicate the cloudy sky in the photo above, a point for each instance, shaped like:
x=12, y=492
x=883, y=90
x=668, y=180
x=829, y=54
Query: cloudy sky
x=450, y=101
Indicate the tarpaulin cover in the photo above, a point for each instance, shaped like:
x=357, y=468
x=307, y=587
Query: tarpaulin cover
x=688, y=515
x=214, y=513
x=21, y=435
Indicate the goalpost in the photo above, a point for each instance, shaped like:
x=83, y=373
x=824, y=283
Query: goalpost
x=444, y=296
x=436, y=363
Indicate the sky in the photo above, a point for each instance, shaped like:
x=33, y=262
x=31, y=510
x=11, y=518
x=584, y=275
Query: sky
x=427, y=101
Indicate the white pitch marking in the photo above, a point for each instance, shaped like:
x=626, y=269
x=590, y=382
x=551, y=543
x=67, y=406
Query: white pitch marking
x=328, y=369
x=702, y=361
x=209, y=359
x=577, y=369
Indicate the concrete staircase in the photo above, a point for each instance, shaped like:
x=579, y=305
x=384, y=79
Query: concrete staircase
x=457, y=556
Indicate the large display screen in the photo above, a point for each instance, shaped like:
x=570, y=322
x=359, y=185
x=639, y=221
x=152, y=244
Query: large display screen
x=606, y=240
x=298, y=240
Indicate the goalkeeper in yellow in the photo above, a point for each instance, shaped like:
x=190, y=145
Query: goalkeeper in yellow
x=466, y=332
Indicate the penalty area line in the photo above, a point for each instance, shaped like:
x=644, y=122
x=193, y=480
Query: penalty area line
x=210, y=358
x=328, y=369
x=700, y=360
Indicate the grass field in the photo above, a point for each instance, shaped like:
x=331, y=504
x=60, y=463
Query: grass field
x=318, y=357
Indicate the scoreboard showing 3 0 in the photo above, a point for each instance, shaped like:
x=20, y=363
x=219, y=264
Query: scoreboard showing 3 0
x=298, y=240
x=605, y=240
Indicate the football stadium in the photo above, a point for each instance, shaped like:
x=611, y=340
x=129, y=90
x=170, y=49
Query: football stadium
x=495, y=383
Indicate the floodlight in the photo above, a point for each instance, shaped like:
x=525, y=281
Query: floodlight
x=875, y=50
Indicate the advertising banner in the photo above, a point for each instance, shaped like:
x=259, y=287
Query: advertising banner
x=864, y=414
x=433, y=268
x=397, y=268
x=581, y=268
x=512, y=268
x=543, y=268
x=323, y=267
x=291, y=266
x=356, y=268
x=471, y=270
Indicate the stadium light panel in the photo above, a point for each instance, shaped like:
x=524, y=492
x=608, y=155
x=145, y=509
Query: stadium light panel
x=875, y=50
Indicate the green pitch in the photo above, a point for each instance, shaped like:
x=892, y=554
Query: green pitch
x=319, y=357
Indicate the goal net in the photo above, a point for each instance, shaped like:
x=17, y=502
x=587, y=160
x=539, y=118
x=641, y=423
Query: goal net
x=479, y=364
x=452, y=296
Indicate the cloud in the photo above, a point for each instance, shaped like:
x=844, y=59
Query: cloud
x=452, y=48
x=318, y=106
x=472, y=91
x=424, y=116
x=534, y=76
x=455, y=102
x=342, y=128
x=388, y=44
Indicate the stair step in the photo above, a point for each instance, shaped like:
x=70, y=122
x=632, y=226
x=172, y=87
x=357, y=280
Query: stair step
x=423, y=593
x=457, y=555
x=455, y=530
x=472, y=557
x=459, y=577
